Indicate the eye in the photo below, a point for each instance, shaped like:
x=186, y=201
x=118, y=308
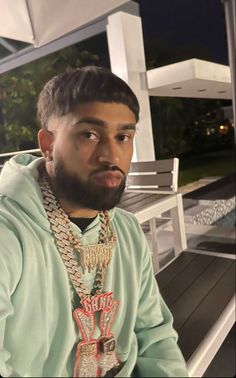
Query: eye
x=89, y=135
x=124, y=137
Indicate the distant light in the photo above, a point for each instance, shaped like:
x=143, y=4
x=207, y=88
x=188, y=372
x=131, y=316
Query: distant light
x=224, y=129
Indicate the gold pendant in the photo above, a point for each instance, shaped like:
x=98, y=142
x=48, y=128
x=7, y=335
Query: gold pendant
x=86, y=354
x=95, y=256
x=108, y=358
x=94, y=358
x=106, y=343
x=86, y=360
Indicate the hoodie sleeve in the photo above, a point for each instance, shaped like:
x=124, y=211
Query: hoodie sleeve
x=159, y=354
x=10, y=270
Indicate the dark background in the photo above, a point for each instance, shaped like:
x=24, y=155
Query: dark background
x=192, y=28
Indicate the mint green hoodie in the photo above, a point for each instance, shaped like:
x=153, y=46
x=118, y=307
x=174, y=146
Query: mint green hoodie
x=38, y=336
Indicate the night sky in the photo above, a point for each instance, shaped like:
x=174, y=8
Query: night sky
x=197, y=26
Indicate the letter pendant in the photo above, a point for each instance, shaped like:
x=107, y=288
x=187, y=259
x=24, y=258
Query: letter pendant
x=94, y=358
x=86, y=364
x=106, y=343
x=86, y=360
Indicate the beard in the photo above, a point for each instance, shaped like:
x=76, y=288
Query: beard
x=85, y=193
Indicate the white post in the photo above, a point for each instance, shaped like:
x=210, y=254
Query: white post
x=230, y=18
x=127, y=57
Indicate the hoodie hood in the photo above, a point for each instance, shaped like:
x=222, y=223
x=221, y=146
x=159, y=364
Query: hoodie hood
x=19, y=183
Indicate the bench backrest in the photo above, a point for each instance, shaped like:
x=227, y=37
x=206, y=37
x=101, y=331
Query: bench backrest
x=161, y=175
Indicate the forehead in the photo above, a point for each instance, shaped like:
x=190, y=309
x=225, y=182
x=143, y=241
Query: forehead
x=106, y=110
x=111, y=113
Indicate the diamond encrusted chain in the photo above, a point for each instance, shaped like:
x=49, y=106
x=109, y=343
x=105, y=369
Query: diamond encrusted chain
x=94, y=357
x=89, y=256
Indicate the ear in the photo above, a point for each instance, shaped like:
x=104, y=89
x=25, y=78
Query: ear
x=45, y=140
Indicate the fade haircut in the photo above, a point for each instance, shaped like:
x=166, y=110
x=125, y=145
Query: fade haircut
x=62, y=94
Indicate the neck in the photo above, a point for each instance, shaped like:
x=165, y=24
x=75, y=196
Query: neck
x=76, y=212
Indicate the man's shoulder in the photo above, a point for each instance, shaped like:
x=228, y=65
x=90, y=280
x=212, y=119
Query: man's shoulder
x=124, y=215
x=125, y=219
x=9, y=213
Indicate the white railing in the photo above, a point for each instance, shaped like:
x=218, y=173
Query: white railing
x=19, y=152
x=7, y=155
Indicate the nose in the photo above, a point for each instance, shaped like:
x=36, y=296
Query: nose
x=108, y=152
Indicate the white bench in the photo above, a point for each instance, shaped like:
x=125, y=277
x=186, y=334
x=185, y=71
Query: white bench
x=160, y=177
x=198, y=286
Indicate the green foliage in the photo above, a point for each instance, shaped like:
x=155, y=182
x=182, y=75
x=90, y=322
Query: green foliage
x=168, y=126
x=174, y=119
x=196, y=167
x=19, y=90
x=183, y=126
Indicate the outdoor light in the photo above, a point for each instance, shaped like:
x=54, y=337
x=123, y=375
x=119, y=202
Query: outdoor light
x=224, y=129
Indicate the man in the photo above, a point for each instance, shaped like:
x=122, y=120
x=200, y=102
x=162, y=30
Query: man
x=78, y=296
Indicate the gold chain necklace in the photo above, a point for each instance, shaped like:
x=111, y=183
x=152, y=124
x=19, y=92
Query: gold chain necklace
x=94, y=357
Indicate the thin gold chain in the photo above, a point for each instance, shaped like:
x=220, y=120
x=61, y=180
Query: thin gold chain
x=66, y=241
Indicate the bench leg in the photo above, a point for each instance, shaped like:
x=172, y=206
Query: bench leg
x=177, y=216
x=154, y=244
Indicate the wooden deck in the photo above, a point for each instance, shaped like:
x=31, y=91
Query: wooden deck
x=199, y=290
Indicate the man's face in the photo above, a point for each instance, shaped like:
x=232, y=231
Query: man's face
x=90, y=152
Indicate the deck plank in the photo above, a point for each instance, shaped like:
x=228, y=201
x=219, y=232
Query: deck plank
x=187, y=277
x=193, y=295
x=197, y=289
x=206, y=314
x=177, y=266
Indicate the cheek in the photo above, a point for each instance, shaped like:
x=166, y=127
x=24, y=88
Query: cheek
x=65, y=147
x=75, y=160
x=126, y=159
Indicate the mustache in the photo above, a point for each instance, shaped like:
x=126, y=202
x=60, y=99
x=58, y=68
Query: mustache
x=109, y=167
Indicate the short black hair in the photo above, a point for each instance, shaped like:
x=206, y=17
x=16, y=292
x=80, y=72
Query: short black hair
x=64, y=92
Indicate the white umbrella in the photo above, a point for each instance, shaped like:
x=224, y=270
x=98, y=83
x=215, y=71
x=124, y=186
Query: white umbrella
x=41, y=21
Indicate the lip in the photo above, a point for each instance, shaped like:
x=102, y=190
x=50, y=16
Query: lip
x=108, y=179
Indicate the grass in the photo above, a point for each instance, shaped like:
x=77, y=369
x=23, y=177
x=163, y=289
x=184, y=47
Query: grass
x=219, y=163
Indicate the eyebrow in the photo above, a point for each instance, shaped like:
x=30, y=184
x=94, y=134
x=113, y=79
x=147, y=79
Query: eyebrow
x=100, y=123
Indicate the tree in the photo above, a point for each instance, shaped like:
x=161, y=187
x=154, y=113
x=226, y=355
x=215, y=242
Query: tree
x=19, y=90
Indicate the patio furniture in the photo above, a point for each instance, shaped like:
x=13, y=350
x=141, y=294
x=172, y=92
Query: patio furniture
x=151, y=192
x=199, y=288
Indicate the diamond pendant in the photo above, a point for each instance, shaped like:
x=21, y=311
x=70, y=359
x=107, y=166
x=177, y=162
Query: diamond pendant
x=94, y=358
x=95, y=256
x=108, y=359
x=86, y=360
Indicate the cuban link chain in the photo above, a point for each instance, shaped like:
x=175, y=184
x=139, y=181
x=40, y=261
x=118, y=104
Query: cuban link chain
x=94, y=358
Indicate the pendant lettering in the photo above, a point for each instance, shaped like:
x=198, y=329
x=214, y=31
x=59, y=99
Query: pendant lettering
x=94, y=358
x=92, y=256
x=97, y=302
